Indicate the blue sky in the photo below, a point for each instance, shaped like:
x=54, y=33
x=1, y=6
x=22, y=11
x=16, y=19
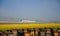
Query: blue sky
x=45, y=10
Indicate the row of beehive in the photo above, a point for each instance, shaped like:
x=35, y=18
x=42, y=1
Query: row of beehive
x=31, y=32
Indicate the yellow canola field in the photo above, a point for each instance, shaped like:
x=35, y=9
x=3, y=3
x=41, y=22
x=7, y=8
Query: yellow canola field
x=8, y=26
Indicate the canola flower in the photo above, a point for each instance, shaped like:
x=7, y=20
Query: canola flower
x=9, y=26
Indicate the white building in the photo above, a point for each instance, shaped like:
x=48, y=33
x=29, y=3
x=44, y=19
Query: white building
x=27, y=21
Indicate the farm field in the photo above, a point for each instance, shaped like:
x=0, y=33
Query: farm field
x=9, y=26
